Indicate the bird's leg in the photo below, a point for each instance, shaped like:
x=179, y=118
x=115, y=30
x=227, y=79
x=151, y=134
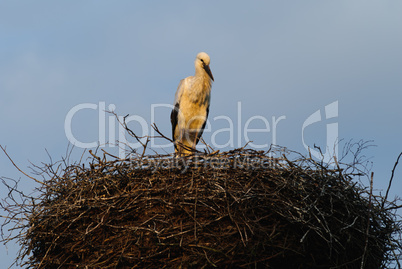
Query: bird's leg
x=180, y=142
x=195, y=140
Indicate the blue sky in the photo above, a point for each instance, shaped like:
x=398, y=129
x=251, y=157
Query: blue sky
x=278, y=59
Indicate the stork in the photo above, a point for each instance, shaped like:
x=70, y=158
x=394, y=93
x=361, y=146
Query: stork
x=191, y=106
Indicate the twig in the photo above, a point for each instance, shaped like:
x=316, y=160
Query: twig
x=5, y=152
x=390, y=181
x=368, y=221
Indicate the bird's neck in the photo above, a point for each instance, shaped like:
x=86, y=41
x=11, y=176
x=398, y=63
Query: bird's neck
x=200, y=87
x=203, y=77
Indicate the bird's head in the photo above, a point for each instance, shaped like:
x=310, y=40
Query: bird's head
x=202, y=61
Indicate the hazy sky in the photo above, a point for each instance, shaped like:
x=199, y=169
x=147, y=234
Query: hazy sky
x=271, y=60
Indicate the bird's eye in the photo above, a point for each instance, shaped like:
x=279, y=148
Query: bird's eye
x=202, y=60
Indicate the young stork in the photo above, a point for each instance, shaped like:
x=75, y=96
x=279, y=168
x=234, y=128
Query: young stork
x=191, y=106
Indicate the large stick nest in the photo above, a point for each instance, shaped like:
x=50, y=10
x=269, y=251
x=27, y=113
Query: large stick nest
x=238, y=209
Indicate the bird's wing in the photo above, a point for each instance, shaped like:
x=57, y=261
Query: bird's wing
x=203, y=127
x=174, y=114
x=174, y=119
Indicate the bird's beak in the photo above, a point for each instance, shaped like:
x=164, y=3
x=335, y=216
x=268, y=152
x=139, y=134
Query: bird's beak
x=206, y=68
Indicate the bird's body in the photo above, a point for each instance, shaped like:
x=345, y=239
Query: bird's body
x=191, y=106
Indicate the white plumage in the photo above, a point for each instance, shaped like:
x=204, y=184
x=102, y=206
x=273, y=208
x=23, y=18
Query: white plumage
x=191, y=106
